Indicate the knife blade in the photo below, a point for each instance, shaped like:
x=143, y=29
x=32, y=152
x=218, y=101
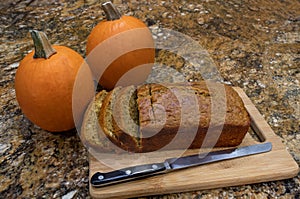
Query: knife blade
x=140, y=171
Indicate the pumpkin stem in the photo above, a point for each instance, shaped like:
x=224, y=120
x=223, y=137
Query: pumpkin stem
x=111, y=11
x=42, y=46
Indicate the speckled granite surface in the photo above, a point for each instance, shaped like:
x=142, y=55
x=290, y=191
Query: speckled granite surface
x=254, y=44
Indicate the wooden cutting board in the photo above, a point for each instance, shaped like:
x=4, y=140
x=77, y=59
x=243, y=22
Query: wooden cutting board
x=274, y=165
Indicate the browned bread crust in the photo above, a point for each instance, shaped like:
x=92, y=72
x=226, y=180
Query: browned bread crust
x=171, y=98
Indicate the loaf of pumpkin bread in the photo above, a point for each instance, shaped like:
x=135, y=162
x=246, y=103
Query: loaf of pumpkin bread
x=151, y=117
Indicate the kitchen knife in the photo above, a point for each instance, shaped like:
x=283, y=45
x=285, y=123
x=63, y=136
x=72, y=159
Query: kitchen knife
x=130, y=173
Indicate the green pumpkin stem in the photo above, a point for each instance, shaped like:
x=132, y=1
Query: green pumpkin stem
x=111, y=11
x=42, y=46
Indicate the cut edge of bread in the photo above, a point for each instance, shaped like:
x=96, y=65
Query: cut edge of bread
x=105, y=117
x=125, y=119
x=89, y=129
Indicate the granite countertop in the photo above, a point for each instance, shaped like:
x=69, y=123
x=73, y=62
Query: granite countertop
x=254, y=44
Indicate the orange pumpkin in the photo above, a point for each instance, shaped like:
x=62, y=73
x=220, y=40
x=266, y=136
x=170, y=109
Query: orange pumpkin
x=44, y=81
x=117, y=45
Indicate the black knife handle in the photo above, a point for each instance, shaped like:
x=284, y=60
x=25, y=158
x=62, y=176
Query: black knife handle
x=130, y=173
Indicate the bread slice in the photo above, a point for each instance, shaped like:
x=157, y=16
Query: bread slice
x=105, y=116
x=125, y=119
x=89, y=133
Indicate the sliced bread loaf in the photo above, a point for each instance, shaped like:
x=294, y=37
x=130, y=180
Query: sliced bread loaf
x=169, y=116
